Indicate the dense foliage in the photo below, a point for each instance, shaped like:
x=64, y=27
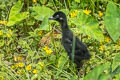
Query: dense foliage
x=30, y=47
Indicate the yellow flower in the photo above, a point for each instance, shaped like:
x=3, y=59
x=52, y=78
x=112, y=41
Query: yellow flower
x=21, y=64
x=1, y=32
x=101, y=48
x=28, y=68
x=102, y=27
x=34, y=1
x=49, y=51
x=16, y=65
x=34, y=71
x=89, y=36
x=2, y=78
x=45, y=48
x=100, y=13
x=74, y=13
x=87, y=11
x=20, y=58
x=39, y=33
x=3, y=22
x=107, y=39
x=41, y=64
x=12, y=67
x=9, y=35
x=101, y=42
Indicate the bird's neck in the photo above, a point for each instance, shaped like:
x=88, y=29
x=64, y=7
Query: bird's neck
x=64, y=26
x=65, y=29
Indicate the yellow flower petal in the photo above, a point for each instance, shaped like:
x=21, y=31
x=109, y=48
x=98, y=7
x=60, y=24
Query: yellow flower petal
x=16, y=65
x=107, y=39
x=9, y=35
x=34, y=71
x=3, y=22
x=41, y=64
x=101, y=48
x=74, y=13
x=87, y=11
x=1, y=32
x=40, y=33
x=12, y=67
x=100, y=13
x=28, y=68
x=20, y=58
x=45, y=48
x=34, y=1
x=49, y=51
x=21, y=64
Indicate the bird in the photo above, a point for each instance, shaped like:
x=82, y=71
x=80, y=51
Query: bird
x=81, y=51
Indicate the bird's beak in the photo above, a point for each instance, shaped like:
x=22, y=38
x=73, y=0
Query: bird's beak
x=51, y=18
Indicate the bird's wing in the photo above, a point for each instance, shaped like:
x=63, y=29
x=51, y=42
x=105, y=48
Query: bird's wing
x=67, y=43
x=81, y=50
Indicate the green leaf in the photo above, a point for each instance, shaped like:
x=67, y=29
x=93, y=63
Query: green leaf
x=17, y=18
x=116, y=71
x=116, y=62
x=61, y=62
x=112, y=21
x=88, y=25
x=15, y=9
x=96, y=72
x=44, y=25
x=40, y=13
x=78, y=1
x=105, y=77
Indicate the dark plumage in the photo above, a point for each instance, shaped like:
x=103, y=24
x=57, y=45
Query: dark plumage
x=81, y=52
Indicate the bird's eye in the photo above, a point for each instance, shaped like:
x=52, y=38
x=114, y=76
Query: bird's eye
x=61, y=18
x=57, y=15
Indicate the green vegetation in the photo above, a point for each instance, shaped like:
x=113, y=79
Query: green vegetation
x=30, y=47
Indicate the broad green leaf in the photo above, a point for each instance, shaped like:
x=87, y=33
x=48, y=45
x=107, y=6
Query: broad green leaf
x=88, y=25
x=96, y=72
x=105, y=77
x=78, y=1
x=40, y=13
x=116, y=71
x=44, y=25
x=61, y=62
x=15, y=15
x=15, y=9
x=116, y=62
x=17, y=18
x=112, y=21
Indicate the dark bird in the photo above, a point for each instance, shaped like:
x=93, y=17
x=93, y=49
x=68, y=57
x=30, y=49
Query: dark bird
x=80, y=50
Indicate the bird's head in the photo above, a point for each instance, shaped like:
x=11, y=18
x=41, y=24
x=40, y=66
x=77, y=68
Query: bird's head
x=59, y=16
